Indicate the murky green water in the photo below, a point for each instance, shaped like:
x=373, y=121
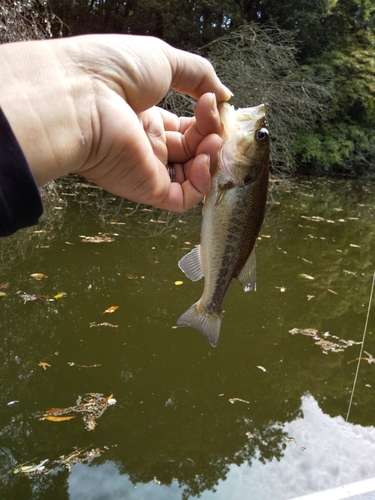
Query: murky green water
x=174, y=433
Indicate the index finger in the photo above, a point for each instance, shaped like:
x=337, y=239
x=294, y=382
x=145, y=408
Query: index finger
x=194, y=75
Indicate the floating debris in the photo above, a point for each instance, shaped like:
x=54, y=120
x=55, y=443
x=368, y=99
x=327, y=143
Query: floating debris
x=92, y=405
x=307, y=276
x=370, y=359
x=44, y=365
x=30, y=470
x=233, y=400
x=110, y=310
x=78, y=455
x=71, y=363
x=102, y=324
x=320, y=340
x=97, y=239
x=26, y=297
x=314, y=218
x=38, y=276
x=262, y=368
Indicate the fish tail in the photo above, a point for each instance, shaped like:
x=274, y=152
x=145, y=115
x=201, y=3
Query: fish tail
x=208, y=324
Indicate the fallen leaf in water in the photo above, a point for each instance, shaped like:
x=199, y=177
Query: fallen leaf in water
x=90, y=406
x=177, y=283
x=44, y=365
x=262, y=368
x=30, y=469
x=4, y=285
x=52, y=418
x=307, y=276
x=354, y=246
x=110, y=309
x=59, y=295
x=52, y=411
x=2, y=294
x=38, y=276
x=12, y=402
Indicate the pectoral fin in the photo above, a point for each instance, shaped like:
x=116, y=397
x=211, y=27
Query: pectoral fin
x=248, y=275
x=191, y=265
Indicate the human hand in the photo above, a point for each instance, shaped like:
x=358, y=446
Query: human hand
x=87, y=105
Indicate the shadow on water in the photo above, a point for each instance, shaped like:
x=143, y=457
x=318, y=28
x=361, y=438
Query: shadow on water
x=174, y=433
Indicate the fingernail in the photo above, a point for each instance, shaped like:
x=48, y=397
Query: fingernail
x=229, y=93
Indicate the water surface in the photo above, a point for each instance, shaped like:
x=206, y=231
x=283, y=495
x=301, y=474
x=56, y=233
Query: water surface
x=174, y=433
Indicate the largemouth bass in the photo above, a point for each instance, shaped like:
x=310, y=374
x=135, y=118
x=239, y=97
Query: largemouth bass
x=233, y=214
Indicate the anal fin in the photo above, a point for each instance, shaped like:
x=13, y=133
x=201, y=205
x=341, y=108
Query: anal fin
x=248, y=275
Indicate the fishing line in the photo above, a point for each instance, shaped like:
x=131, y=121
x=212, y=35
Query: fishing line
x=358, y=365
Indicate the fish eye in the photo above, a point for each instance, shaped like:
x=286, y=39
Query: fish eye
x=262, y=135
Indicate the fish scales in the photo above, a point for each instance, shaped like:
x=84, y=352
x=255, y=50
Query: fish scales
x=232, y=217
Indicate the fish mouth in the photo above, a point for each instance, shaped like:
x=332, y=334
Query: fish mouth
x=238, y=128
x=244, y=120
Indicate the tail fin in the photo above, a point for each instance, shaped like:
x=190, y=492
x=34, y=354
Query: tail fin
x=208, y=324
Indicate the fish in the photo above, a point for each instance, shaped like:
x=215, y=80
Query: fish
x=233, y=213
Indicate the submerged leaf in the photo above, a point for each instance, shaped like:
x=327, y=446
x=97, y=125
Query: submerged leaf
x=59, y=295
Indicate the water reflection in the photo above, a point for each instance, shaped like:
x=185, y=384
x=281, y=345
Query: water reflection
x=173, y=420
x=321, y=452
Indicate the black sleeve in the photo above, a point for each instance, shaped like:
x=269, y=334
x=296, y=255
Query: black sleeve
x=20, y=201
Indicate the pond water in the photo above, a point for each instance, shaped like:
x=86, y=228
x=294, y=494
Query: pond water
x=263, y=415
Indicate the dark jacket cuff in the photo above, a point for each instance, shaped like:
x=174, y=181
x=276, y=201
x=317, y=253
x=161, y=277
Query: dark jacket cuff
x=20, y=201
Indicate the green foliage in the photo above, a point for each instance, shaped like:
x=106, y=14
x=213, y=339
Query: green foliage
x=343, y=147
x=345, y=139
